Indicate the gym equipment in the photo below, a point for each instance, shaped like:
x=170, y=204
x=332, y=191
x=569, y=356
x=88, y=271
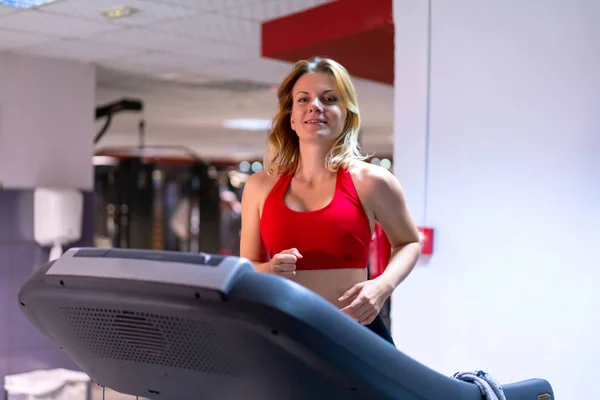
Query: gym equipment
x=171, y=325
x=137, y=189
x=138, y=193
x=108, y=110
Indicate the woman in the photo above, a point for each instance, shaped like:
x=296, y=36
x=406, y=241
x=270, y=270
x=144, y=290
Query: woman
x=309, y=215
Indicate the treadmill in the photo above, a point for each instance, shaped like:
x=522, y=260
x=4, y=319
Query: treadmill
x=179, y=326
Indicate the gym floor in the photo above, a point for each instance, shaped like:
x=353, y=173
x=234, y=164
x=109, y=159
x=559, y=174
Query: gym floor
x=111, y=395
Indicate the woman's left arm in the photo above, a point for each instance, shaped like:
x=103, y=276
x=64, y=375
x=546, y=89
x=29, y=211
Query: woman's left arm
x=391, y=212
x=386, y=200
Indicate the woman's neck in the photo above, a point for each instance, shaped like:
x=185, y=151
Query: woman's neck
x=311, y=164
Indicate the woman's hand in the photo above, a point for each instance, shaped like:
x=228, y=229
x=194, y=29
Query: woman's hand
x=284, y=263
x=367, y=299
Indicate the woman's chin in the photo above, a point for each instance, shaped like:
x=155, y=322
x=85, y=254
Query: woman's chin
x=315, y=137
x=316, y=132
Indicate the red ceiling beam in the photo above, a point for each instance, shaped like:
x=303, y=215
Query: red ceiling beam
x=359, y=34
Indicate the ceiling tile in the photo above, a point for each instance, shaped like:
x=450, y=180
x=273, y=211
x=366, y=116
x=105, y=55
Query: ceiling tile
x=155, y=61
x=14, y=39
x=7, y=10
x=142, y=38
x=149, y=12
x=270, y=9
x=171, y=84
x=176, y=44
x=221, y=51
x=258, y=70
x=133, y=68
x=79, y=50
x=53, y=24
x=272, y=67
x=222, y=70
x=208, y=5
x=215, y=26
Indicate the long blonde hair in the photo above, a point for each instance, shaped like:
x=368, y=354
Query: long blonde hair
x=283, y=148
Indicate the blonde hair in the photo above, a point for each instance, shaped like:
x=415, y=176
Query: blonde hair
x=282, y=153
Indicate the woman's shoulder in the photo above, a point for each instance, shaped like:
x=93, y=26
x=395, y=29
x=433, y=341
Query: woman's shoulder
x=378, y=188
x=261, y=179
x=370, y=177
x=259, y=184
x=374, y=184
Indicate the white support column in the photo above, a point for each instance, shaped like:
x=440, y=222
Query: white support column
x=411, y=100
x=47, y=111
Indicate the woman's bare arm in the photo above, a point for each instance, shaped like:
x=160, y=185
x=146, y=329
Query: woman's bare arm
x=251, y=246
x=390, y=210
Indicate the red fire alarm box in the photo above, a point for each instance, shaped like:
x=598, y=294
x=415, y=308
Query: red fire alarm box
x=426, y=237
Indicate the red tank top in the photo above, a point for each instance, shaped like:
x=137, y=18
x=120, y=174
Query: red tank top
x=335, y=236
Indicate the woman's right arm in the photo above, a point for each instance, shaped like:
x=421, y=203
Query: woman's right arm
x=251, y=246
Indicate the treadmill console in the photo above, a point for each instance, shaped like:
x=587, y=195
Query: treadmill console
x=201, y=270
x=203, y=259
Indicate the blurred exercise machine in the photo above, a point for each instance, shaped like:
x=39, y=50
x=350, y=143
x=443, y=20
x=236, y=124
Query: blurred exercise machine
x=139, y=196
x=140, y=189
x=166, y=325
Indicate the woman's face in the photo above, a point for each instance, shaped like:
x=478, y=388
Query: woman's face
x=316, y=110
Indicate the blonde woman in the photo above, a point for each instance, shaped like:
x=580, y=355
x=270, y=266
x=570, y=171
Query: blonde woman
x=309, y=215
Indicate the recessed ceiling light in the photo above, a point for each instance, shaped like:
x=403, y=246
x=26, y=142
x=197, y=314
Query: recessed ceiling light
x=119, y=12
x=251, y=124
x=25, y=3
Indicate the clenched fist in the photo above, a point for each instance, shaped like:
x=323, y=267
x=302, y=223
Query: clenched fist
x=284, y=263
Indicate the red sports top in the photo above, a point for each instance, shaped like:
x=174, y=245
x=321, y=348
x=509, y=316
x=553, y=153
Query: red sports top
x=335, y=236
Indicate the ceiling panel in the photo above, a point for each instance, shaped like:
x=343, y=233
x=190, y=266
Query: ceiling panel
x=149, y=12
x=76, y=49
x=219, y=50
x=169, y=43
x=157, y=61
x=207, y=5
x=53, y=24
x=260, y=69
x=144, y=38
x=166, y=83
x=10, y=39
x=122, y=68
x=216, y=27
x=275, y=68
x=270, y=9
x=7, y=10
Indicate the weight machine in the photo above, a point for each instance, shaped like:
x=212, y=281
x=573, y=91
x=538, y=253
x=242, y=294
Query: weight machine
x=139, y=189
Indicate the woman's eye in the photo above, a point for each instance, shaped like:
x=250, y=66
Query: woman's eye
x=331, y=99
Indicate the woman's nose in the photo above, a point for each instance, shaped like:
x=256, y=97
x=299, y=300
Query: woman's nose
x=316, y=105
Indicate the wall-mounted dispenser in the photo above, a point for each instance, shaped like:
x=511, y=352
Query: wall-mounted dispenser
x=58, y=218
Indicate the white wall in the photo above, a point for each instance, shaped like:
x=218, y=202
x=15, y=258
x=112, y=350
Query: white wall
x=509, y=176
x=47, y=110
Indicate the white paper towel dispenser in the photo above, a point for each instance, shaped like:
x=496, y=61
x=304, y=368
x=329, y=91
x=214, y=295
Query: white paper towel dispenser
x=58, y=218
